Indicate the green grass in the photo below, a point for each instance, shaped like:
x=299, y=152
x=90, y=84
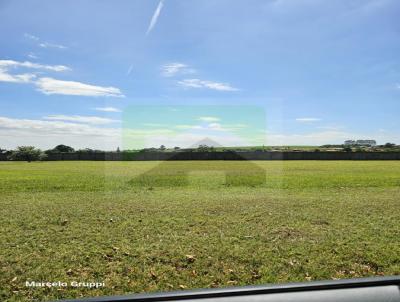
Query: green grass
x=113, y=222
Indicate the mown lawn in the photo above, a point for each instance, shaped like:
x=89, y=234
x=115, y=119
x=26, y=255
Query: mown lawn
x=182, y=226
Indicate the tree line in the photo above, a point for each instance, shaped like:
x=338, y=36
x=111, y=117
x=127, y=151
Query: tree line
x=31, y=153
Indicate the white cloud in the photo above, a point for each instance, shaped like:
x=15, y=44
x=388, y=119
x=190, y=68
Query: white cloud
x=108, y=109
x=11, y=63
x=6, y=65
x=47, y=134
x=307, y=119
x=197, y=83
x=208, y=119
x=42, y=43
x=18, y=78
x=154, y=19
x=223, y=127
x=215, y=126
x=32, y=37
x=211, y=126
x=51, y=45
x=53, y=86
x=95, y=120
x=32, y=55
x=172, y=69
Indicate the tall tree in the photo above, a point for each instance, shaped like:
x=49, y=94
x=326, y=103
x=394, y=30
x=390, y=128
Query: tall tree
x=63, y=149
x=27, y=153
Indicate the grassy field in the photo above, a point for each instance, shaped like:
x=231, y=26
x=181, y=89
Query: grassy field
x=150, y=226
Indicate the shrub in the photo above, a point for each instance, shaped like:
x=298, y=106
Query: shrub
x=27, y=153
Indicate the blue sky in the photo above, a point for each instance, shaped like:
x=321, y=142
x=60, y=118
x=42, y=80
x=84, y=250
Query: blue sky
x=315, y=72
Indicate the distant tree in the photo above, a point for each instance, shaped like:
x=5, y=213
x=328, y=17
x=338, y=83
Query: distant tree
x=176, y=148
x=203, y=148
x=389, y=145
x=347, y=149
x=27, y=153
x=3, y=150
x=317, y=150
x=88, y=150
x=149, y=150
x=63, y=149
x=118, y=150
x=162, y=148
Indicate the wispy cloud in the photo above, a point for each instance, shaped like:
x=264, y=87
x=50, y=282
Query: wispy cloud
x=197, y=83
x=212, y=124
x=54, y=86
x=18, y=78
x=31, y=55
x=202, y=128
x=154, y=19
x=51, y=45
x=49, y=85
x=43, y=44
x=31, y=37
x=6, y=65
x=216, y=127
x=94, y=120
x=40, y=127
x=108, y=109
x=187, y=127
x=11, y=63
x=129, y=70
x=307, y=119
x=208, y=119
x=178, y=68
x=175, y=68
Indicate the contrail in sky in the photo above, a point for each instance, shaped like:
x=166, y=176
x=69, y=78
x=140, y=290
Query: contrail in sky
x=129, y=70
x=154, y=19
